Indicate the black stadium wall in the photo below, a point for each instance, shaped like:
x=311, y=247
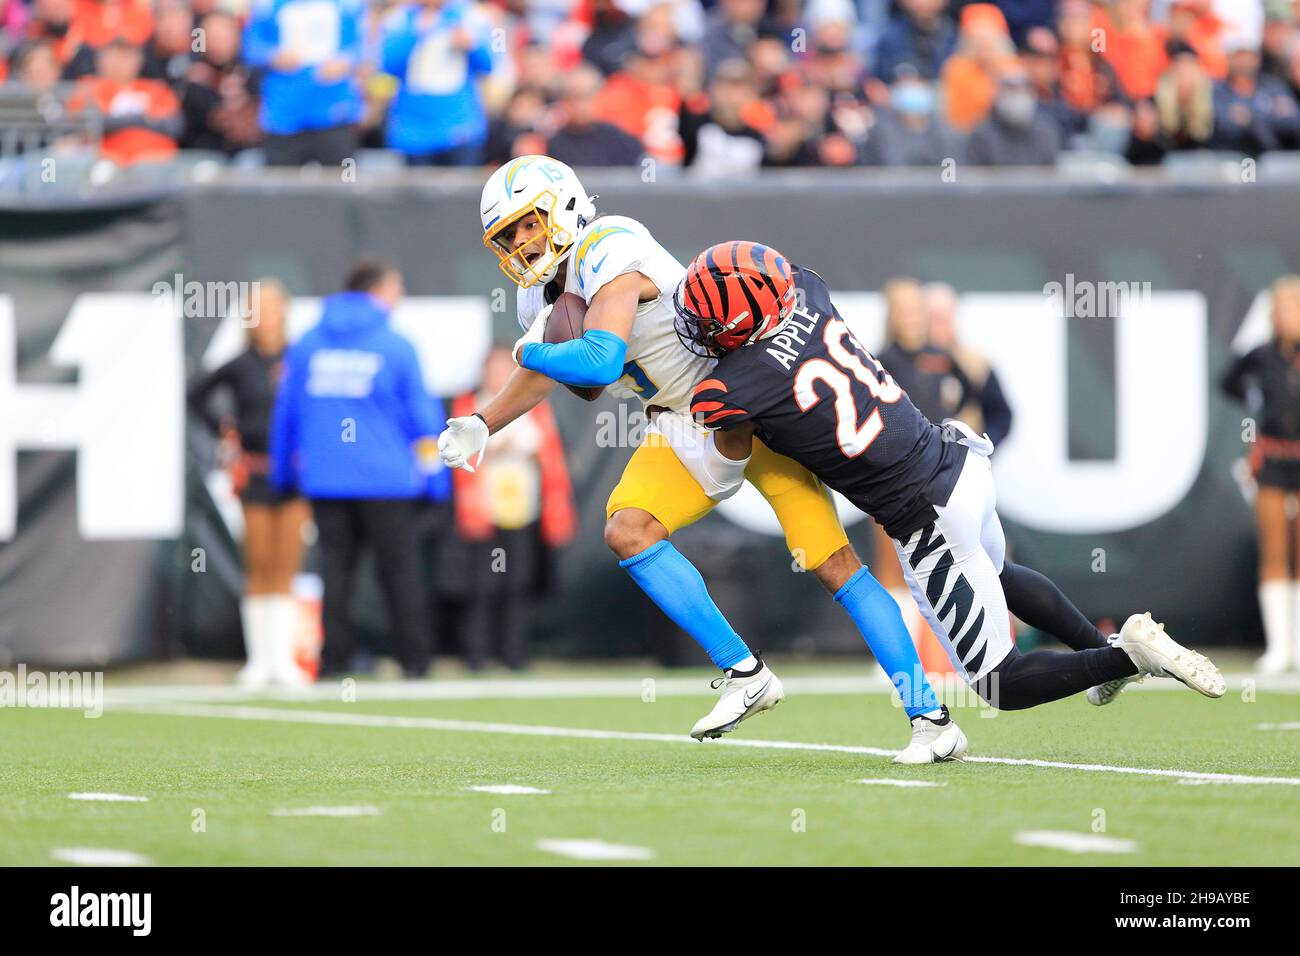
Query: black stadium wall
x=1120, y=479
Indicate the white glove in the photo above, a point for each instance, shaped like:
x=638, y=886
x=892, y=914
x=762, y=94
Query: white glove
x=536, y=333
x=465, y=438
x=963, y=434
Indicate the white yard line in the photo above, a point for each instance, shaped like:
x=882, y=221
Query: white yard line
x=1289, y=725
x=108, y=797
x=887, y=782
x=543, y=688
x=509, y=789
x=326, y=812
x=98, y=856
x=534, y=730
x=595, y=850
x=1075, y=842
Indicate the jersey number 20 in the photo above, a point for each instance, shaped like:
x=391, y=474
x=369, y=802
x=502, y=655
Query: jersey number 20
x=853, y=438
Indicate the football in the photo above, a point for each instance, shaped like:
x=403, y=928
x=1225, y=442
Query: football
x=565, y=324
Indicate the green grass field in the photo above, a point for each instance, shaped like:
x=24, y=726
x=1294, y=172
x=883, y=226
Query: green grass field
x=678, y=801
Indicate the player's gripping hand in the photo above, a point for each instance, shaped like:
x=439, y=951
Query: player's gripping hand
x=464, y=438
x=536, y=333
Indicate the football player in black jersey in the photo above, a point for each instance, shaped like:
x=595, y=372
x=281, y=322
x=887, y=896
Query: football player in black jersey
x=791, y=372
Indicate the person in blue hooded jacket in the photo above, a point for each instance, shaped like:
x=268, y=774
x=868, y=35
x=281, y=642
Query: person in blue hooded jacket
x=437, y=51
x=354, y=429
x=309, y=51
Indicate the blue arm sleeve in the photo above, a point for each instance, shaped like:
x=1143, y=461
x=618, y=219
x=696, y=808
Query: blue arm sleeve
x=596, y=359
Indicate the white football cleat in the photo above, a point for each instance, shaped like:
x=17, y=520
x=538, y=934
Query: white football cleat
x=1159, y=655
x=744, y=694
x=934, y=740
x=1103, y=694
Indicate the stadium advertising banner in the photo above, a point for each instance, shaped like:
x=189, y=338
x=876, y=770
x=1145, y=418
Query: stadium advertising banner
x=1109, y=315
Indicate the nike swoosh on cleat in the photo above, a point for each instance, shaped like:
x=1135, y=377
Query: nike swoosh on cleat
x=749, y=701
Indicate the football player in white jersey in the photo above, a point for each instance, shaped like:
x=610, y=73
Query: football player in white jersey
x=542, y=226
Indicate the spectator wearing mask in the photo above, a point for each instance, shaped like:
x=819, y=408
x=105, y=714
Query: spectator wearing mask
x=309, y=51
x=582, y=139
x=1268, y=380
x=907, y=131
x=986, y=409
x=1018, y=133
x=1253, y=113
x=718, y=134
x=354, y=430
x=438, y=51
x=921, y=36
x=1184, y=101
x=141, y=118
x=225, y=91
x=273, y=521
x=512, y=513
x=970, y=76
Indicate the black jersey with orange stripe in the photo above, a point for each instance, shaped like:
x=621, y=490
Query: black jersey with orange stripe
x=817, y=396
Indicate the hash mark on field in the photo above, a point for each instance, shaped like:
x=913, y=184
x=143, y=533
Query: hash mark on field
x=582, y=733
x=1075, y=842
x=885, y=781
x=98, y=856
x=326, y=812
x=508, y=789
x=1289, y=725
x=108, y=797
x=595, y=850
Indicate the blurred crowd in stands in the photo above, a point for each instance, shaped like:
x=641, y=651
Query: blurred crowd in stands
x=716, y=86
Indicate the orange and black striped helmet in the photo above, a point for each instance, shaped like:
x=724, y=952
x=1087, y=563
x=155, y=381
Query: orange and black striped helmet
x=733, y=294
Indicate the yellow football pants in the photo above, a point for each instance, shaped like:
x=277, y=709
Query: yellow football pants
x=656, y=481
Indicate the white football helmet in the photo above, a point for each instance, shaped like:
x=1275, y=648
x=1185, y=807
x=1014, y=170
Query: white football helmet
x=547, y=187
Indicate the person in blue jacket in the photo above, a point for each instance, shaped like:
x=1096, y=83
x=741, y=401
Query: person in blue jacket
x=354, y=429
x=309, y=51
x=437, y=51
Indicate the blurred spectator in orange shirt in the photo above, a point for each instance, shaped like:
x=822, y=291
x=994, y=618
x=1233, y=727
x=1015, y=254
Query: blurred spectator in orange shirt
x=142, y=119
x=642, y=98
x=970, y=76
x=1087, y=80
x=1135, y=47
x=1194, y=22
x=102, y=20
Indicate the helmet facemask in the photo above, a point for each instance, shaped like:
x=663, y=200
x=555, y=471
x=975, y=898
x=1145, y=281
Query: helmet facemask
x=558, y=243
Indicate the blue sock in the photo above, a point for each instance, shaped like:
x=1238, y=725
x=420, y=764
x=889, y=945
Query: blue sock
x=672, y=582
x=877, y=616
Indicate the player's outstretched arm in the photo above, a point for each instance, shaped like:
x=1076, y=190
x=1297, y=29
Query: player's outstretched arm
x=463, y=442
